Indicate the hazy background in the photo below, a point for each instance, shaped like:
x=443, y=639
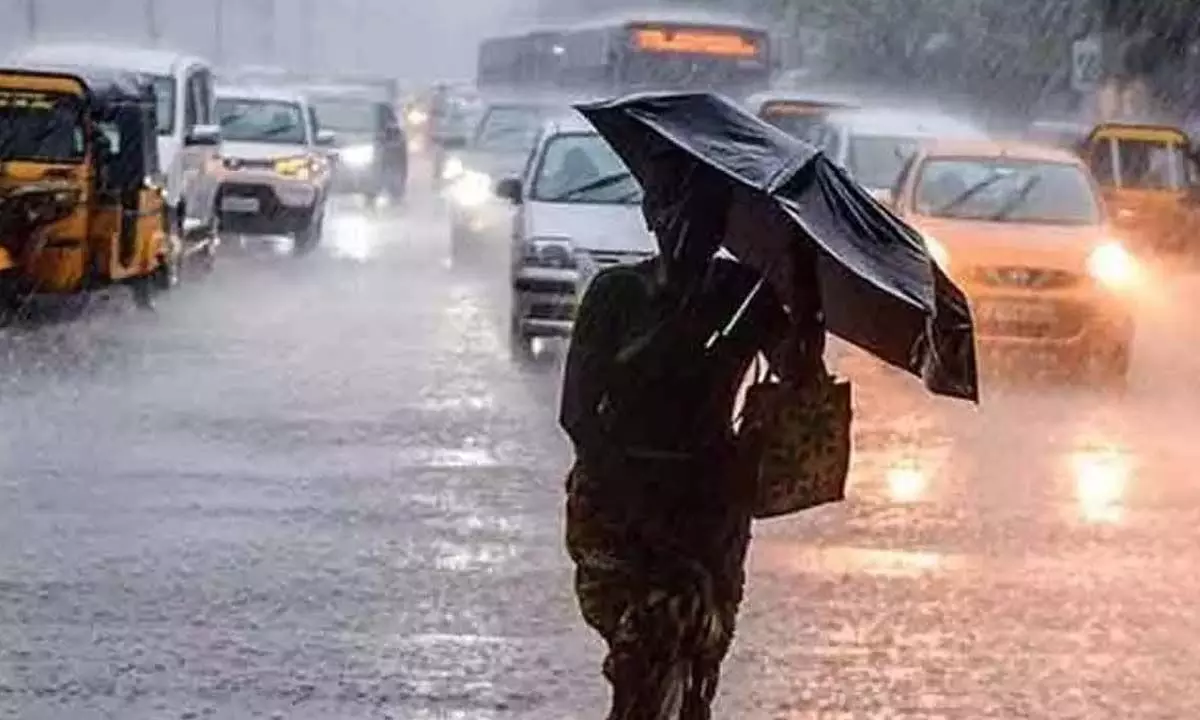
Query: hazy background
x=413, y=39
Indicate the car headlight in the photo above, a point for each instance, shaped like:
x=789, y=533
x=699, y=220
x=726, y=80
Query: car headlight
x=1113, y=265
x=358, y=155
x=298, y=168
x=550, y=252
x=453, y=168
x=472, y=189
x=417, y=117
x=937, y=251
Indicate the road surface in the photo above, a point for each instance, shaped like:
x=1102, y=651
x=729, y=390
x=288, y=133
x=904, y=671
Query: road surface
x=320, y=488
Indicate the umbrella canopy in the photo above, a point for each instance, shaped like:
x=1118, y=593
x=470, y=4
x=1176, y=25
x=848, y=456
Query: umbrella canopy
x=880, y=288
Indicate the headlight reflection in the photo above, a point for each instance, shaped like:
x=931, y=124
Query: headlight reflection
x=907, y=482
x=1101, y=478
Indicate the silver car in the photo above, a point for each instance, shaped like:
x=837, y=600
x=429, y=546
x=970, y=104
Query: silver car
x=275, y=166
x=578, y=211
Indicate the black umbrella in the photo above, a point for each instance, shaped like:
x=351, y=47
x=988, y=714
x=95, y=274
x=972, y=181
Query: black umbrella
x=880, y=289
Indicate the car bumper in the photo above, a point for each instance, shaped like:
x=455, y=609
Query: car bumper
x=266, y=208
x=544, y=301
x=1059, y=324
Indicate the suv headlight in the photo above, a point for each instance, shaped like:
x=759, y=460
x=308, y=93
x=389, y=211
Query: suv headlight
x=358, y=155
x=298, y=168
x=1113, y=265
x=549, y=252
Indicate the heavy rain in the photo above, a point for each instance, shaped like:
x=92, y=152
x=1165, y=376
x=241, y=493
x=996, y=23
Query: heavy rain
x=287, y=288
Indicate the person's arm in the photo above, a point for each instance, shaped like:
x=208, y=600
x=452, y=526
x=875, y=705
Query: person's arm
x=589, y=366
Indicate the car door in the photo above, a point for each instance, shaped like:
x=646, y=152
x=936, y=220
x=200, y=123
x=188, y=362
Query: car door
x=195, y=160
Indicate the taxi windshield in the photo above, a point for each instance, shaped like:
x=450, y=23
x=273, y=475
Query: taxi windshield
x=876, y=161
x=1140, y=164
x=1006, y=190
x=582, y=168
x=261, y=121
x=347, y=116
x=40, y=126
x=509, y=129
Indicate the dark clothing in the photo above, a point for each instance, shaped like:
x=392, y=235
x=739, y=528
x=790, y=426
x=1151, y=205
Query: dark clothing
x=658, y=513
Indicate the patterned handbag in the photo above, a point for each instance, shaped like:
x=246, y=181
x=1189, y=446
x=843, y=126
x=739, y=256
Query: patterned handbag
x=801, y=436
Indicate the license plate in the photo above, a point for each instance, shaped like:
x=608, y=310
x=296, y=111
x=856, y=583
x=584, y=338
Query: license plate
x=240, y=205
x=1015, y=312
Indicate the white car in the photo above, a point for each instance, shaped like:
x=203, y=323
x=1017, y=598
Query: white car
x=875, y=144
x=188, y=137
x=578, y=211
x=275, y=166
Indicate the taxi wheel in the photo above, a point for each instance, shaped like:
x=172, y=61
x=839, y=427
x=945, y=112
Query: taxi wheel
x=1111, y=366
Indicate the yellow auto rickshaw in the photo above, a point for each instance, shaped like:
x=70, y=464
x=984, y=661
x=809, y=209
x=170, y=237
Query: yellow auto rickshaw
x=81, y=199
x=1148, y=175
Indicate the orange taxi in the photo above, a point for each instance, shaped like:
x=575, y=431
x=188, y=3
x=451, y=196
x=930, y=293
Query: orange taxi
x=1023, y=230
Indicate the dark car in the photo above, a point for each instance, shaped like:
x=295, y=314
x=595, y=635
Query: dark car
x=372, y=142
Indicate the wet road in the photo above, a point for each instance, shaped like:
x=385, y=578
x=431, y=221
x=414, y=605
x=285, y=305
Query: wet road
x=320, y=488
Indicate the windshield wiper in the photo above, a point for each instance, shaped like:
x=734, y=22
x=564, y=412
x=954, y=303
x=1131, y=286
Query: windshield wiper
x=1016, y=199
x=278, y=130
x=970, y=192
x=597, y=184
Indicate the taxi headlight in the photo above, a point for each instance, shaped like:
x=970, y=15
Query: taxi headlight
x=550, y=252
x=937, y=251
x=472, y=189
x=1112, y=264
x=453, y=168
x=358, y=156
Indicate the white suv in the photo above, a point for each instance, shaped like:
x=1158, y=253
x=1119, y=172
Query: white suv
x=275, y=166
x=578, y=211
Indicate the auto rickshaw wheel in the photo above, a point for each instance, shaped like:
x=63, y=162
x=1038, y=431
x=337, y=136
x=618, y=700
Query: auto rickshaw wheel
x=143, y=291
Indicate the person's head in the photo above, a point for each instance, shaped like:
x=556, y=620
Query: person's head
x=577, y=165
x=687, y=209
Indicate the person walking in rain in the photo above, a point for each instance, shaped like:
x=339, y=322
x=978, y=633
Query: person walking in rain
x=659, y=498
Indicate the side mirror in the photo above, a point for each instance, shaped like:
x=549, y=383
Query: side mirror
x=509, y=189
x=326, y=138
x=203, y=136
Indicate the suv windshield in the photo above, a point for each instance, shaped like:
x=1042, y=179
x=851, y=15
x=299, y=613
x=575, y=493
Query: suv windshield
x=509, y=129
x=40, y=126
x=582, y=168
x=876, y=161
x=347, y=116
x=1006, y=190
x=261, y=121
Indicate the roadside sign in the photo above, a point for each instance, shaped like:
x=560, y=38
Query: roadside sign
x=1086, y=65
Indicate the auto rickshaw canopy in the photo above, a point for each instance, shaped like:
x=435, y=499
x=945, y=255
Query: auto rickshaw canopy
x=117, y=110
